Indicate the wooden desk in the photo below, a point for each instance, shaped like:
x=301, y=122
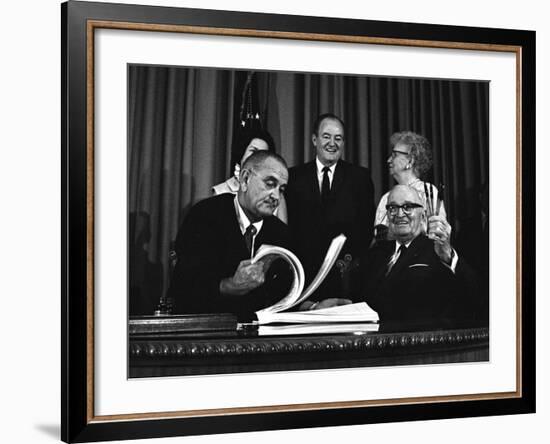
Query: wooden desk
x=171, y=354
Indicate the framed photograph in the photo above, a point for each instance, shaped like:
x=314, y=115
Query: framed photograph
x=160, y=106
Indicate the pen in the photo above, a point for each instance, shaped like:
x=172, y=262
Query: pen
x=440, y=197
x=428, y=209
x=432, y=203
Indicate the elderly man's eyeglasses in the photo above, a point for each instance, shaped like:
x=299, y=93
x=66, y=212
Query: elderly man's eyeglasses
x=395, y=153
x=407, y=208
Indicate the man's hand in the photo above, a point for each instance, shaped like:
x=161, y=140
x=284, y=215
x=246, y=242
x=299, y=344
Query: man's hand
x=439, y=231
x=268, y=260
x=325, y=303
x=247, y=277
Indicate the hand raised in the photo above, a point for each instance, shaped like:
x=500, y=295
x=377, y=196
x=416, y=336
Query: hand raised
x=439, y=231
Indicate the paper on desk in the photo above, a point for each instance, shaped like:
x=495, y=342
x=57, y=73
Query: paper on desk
x=308, y=329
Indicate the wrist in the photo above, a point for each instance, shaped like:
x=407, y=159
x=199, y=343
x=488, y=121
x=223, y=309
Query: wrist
x=447, y=256
x=313, y=306
x=229, y=287
x=307, y=305
x=224, y=286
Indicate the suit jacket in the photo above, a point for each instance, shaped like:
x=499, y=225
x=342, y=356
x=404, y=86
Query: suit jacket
x=349, y=210
x=472, y=240
x=419, y=286
x=210, y=246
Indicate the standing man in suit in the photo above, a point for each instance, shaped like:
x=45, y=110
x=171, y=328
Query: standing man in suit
x=417, y=277
x=214, y=273
x=326, y=197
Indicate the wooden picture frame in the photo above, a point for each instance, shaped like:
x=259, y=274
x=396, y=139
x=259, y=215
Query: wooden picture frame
x=80, y=423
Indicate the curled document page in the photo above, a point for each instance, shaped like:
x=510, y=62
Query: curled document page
x=359, y=312
x=295, y=295
x=270, y=252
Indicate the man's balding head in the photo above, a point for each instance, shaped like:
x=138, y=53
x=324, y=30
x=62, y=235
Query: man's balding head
x=263, y=180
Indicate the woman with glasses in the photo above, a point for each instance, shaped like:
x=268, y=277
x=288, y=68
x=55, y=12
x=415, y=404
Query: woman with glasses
x=249, y=142
x=410, y=159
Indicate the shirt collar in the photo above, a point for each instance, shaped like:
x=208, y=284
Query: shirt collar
x=320, y=167
x=397, y=245
x=243, y=220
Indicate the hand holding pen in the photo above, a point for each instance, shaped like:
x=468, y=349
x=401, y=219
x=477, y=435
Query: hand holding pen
x=438, y=229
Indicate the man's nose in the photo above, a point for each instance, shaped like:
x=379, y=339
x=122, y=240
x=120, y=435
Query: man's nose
x=400, y=209
x=276, y=193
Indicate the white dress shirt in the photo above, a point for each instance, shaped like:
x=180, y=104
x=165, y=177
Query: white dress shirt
x=244, y=222
x=320, y=173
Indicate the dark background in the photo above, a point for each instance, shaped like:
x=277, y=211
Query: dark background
x=183, y=122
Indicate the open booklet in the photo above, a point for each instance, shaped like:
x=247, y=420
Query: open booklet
x=359, y=312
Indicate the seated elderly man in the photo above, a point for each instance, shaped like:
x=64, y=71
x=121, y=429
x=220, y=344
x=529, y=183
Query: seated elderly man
x=416, y=276
x=213, y=273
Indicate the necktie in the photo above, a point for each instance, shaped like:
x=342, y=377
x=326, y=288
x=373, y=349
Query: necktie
x=395, y=258
x=249, y=238
x=325, y=185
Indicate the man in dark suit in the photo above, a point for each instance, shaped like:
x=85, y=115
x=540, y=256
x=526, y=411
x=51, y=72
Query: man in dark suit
x=326, y=197
x=213, y=273
x=416, y=276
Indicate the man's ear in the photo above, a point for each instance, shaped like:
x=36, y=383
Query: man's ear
x=314, y=139
x=244, y=177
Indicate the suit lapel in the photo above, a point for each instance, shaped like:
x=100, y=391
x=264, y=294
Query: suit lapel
x=313, y=182
x=262, y=234
x=339, y=176
x=410, y=255
x=234, y=235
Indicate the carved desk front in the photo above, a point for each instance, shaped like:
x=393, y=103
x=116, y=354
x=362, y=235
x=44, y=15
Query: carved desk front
x=234, y=351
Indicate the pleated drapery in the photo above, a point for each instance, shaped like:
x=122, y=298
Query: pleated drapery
x=179, y=140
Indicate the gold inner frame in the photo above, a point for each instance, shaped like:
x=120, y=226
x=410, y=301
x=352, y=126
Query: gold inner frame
x=92, y=25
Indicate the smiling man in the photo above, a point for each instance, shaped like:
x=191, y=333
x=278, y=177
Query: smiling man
x=417, y=276
x=213, y=273
x=327, y=197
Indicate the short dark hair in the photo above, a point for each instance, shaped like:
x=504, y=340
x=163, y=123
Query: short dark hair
x=419, y=149
x=243, y=139
x=259, y=157
x=319, y=120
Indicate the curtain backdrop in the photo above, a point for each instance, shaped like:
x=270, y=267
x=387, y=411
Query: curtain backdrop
x=181, y=124
x=179, y=138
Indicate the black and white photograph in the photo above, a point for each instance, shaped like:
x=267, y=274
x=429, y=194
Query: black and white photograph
x=296, y=220
x=282, y=221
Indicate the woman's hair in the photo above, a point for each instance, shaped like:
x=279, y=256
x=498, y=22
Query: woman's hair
x=243, y=139
x=419, y=147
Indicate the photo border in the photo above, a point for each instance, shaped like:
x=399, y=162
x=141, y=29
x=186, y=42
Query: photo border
x=79, y=21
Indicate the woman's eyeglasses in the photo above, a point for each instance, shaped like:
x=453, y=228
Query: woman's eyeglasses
x=395, y=153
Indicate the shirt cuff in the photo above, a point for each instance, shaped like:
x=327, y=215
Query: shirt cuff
x=454, y=260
